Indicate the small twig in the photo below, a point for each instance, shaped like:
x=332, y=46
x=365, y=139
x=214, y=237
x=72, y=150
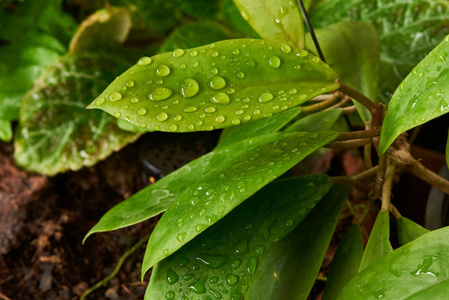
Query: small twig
x=387, y=186
x=345, y=99
x=117, y=268
x=359, y=97
x=350, y=207
x=350, y=181
x=321, y=278
x=428, y=176
x=344, y=136
x=395, y=212
x=322, y=97
x=366, y=174
x=349, y=110
x=348, y=144
x=4, y=297
x=367, y=149
x=380, y=175
x=312, y=32
x=321, y=105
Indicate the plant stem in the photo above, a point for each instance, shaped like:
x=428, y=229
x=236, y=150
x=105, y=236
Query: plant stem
x=366, y=174
x=380, y=175
x=117, y=268
x=387, y=186
x=428, y=176
x=395, y=212
x=341, y=103
x=350, y=181
x=359, y=97
x=365, y=211
x=348, y=144
x=320, y=105
x=312, y=32
x=367, y=149
x=352, y=135
x=349, y=110
x=322, y=97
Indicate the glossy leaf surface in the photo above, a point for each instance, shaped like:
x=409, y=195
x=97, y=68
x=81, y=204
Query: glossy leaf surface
x=215, y=86
x=316, y=122
x=379, y=240
x=408, y=30
x=289, y=268
x=218, y=192
x=421, y=97
x=417, y=267
x=352, y=49
x=346, y=262
x=221, y=262
x=5, y=131
x=409, y=230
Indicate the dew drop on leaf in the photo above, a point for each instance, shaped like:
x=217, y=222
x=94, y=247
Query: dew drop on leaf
x=209, y=109
x=178, y=53
x=145, y=61
x=232, y=279
x=162, y=70
x=217, y=83
x=215, y=54
x=286, y=49
x=171, y=276
x=236, y=51
x=274, y=62
x=189, y=87
x=117, y=114
x=241, y=75
x=160, y=93
x=173, y=127
x=190, y=109
x=220, y=98
x=252, y=63
x=100, y=101
x=214, y=71
x=170, y=295
x=265, y=97
x=115, y=96
x=244, y=15
x=141, y=111
x=161, y=117
x=193, y=53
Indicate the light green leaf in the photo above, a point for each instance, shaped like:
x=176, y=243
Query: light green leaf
x=379, y=240
x=316, y=122
x=409, y=230
x=346, y=262
x=5, y=131
x=215, y=86
x=218, y=192
x=421, y=97
x=274, y=20
x=413, y=270
x=157, y=197
x=55, y=132
x=271, y=124
x=233, y=19
x=289, y=268
x=352, y=49
x=221, y=261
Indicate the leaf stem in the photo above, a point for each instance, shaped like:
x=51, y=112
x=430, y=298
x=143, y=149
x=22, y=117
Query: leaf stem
x=428, y=176
x=352, y=135
x=349, y=110
x=359, y=97
x=348, y=144
x=387, y=186
x=321, y=105
x=366, y=174
x=395, y=212
x=350, y=181
x=383, y=159
x=367, y=149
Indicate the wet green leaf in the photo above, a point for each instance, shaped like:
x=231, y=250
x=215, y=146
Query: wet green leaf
x=352, y=49
x=223, y=259
x=218, y=192
x=379, y=240
x=55, y=132
x=233, y=19
x=421, y=97
x=215, y=86
x=289, y=268
x=274, y=20
x=408, y=31
x=346, y=262
x=5, y=131
x=416, y=269
x=409, y=230
x=271, y=124
x=316, y=122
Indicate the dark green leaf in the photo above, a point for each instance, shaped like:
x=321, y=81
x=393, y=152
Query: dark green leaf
x=55, y=132
x=409, y=230
x=200, y=9
x=222, y=261
x=316, y=122
x=421, y=97
x=379, y=240
x=417, y=267
x=289, y=268
x=5, y=131
x=346, y=262
x=352, y=49
x=216, y=86
x=233, y=18
x=218, y=192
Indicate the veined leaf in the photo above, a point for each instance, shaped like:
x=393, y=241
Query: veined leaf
x=274, y=20
x=409, y=230
x=222, y=260
x=289, y=268
x=215, y=86
x=421, y=97
x=218, y=192
x=5, y=131
x=320, y=121
x=412, y=271
x=379, y=240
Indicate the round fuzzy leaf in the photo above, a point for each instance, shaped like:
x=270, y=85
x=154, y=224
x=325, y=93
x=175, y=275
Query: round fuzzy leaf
x=215, y=86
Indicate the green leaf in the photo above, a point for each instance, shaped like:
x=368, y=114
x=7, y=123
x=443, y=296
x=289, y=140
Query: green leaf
x=289, y=268
x=352, y=49
x=55, y=132
x=221, y=262
x=200, y=9
x=412, y=270
x=5, y=131
x=379, y=240
x=233, y=18
x=408, y=31
x=218, y=192
x=316, y=122
x=271, y=124
x=157, y=197
x=108, y=27
x=274, y=20
x=421, y=97
x=409, y=230
x=216, y=86
x=346, y=262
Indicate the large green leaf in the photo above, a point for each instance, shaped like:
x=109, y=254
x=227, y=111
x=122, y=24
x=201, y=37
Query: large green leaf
x=215, y=86
x=346, y=262
x=233, y=19
x=157, y=197
x=421, y=97
x=274, y=20
x=316, y=122
x=55, y=132
x=352, y=49
x=408, y=30
x=418, y=270
x=222, y=260
x=289, y=268
x=5, y=130
x=409, y=230
x=379, y=240
x=218, y=192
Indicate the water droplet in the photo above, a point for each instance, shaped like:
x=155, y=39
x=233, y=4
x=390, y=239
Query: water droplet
x=144, y=61
x=135, y=100
x=241, y=247
x=160, y=93
x=274, y=62
x=236, y=51
x=220, y=119
x=232, y=279
x=257, y=112
x=161, y=117
x=189, y=87
x=230, y=91
x=292, y=91
x=195, y=64
x=166, y=252
x=302, y=53
x=129, y=83
x=173, y=127
x=265, y=97
x=259, y=249
x=215, y=54
x=251, y=266
x=181, y=236
x=100, y=101
x=247, y=118
x=297, y=67
x=141, y=111
x=217, y=83
x=183, y=66
x=212, y=45
x=162, y=70
x=178, y=52
x=220, y=98
x=214, y=71
x=210, y=109
x=171, y=276
x=193, y=53
x=239, y=111
x=170, y=295
x=241, y=75
x=245, y=15
x=235, y=121
x=199, y=122
x=117, y=114
x=177, y=118
x=183, y=262
x=115, y=96
x=286, y=49
x=213, y=261
x=252, y=63
x=198, y=287
x=159, y=81
x=190, y=109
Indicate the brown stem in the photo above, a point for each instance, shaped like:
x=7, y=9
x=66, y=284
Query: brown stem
x=359, y=97
x=348, y=110
x=348, y=144
x=383, y=159
x=350, y=181
x=366, y=174
x=341, y=103
x=387, y=186
x=321, y=105
x=428, y=176
x=352, y=135
x=322, y=97
x=367, y=149
x=395, y=212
